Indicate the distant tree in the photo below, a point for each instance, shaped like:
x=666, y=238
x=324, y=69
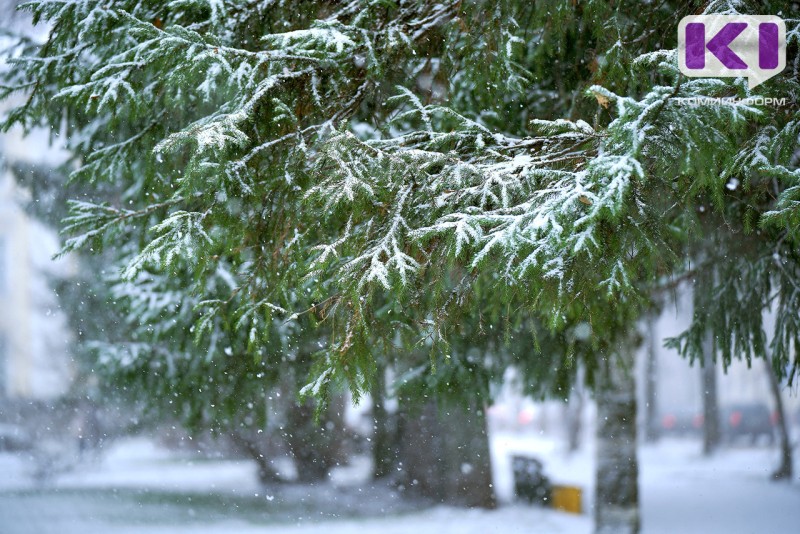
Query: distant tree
x=786, y=467
x=712, y=435
x=652, y=426
x=121, y=340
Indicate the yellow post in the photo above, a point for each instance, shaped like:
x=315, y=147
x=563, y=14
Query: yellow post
x=566, y=498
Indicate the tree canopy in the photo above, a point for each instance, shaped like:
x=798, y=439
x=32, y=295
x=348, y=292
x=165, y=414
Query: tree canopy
x=413, y=171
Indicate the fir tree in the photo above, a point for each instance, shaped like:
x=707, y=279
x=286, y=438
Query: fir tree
x=403, y=169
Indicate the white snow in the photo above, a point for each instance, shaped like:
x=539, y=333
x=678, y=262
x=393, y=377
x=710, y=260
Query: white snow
x=124, y=491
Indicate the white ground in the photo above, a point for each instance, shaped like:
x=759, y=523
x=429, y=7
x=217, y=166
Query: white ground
x=130, y=489
x=682, y=491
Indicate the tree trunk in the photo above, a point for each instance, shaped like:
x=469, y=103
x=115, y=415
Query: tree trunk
x=445, y=454
x=573, y=414
x=266, y=474
x=384, y=455
x=316, y=446
x=651, y=382
x=616, y=508
x=785, y=469
x=711, y=429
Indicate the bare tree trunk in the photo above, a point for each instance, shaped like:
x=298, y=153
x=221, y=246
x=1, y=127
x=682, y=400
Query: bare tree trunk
x=445, y=454
x=784, y=471
x=616, y=508
x=266, y=474
x=316, y=446
x=651, y=382
x=574, y=413
x=711, y=430
x=384, y=455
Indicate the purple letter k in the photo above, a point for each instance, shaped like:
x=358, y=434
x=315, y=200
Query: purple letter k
x=718, y=45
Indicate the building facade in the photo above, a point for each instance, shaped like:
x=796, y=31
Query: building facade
x=34, y=339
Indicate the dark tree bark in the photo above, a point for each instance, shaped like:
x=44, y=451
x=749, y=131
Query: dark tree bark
x=444, y=452
x=711, y=427
x=573, y=413
x=384, y=452
x=316, y=446
x=266, y=474
x=784, y=471
x=616, y=508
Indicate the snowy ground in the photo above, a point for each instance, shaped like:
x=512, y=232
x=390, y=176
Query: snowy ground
x=681, y=490
x=138, y=488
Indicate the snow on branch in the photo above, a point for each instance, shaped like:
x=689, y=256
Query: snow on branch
x=386, y=255
x=95, y=221
x=181, y=233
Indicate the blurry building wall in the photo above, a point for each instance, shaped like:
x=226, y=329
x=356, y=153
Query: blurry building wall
x=34, y=339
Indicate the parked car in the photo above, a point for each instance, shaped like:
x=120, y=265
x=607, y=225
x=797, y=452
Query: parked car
x=747, y=421
x=681, y=423
x=530, y=482
x=508, y=416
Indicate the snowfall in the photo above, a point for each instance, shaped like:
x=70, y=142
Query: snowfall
x=135, y=486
